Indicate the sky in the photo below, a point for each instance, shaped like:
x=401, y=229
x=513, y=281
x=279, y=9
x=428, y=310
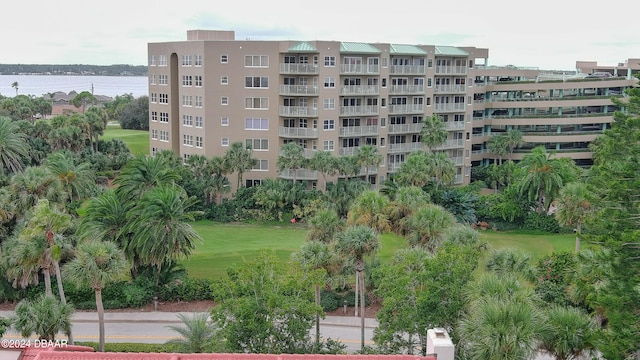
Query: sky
x=548, y=34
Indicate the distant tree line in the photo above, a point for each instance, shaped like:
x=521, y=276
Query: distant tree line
x=77, y=69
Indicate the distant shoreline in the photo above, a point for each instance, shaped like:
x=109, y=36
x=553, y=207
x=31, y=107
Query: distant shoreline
x=73, y=70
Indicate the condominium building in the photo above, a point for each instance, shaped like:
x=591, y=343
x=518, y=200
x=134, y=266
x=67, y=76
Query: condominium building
x=212, y=90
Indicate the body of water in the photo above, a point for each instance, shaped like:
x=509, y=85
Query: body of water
x=39, y=85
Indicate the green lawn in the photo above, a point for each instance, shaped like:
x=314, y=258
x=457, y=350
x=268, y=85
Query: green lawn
x=228, y=244
x=136, y=140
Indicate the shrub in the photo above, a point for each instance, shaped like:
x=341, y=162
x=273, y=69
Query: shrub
x=189, y=289
x=541, y=222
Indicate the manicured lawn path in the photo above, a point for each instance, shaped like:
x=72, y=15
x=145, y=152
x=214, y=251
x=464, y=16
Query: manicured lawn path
x=136, y=140
x=228, y=244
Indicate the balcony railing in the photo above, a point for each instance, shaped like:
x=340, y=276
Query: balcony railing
x=405, y=147
x=405, y=128
x=359, y=110
x=298, y=111
x=406, y=89
x=455, y=88
x=359, y=69
x=298, y=69
x=297, y=132
x=407, y=69
x=359, y=130
x=454, y=125
x=348, y=150
x=455, y=70
x=372, y=170
x=393, y=167
x=406, y=109
x=298, y=90
x=450, y=144
x=449, y=107
x=300, y=174
x=360, y=90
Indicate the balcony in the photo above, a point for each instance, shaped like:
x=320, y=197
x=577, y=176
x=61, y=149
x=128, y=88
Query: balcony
x=300, y=174
x=405, y=128
x=298, y=69
x=303, y=111
x=405, y=147
x=360, y=69
x=408, y=69
x=393, y=167
x=450, y=144
x=298, y=132
x=360, y=90
x=406, y=89
x=358, y=110
x=371, y=169
x=454, y=125
x=458, y=160
x=348, y=150
x=300, y=90
x=406, y=109
x=450, y=107
x=451, y=70
x=359, y=130
x=450, y=89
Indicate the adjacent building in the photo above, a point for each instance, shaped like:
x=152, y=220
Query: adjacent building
x=212, y=90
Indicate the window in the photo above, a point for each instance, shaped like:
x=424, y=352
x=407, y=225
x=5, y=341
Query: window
x=258, y=144
x=154, y=151
x=224, y=80
x=256, y=124
x=152, y=60
x=261, y=165
x=383, y=122
x=187, y=140
x=198, y=80
x=186, y=60
x=256, y=81
x=329, y=104
x=199, y=121
x=198, y=60
x=199, y=141
x=198, y=101
x=164, y=135
x=251, y=183
x=164, y=117
x=153, y=97
x=329, y=61
x=329, y=124
x=224, y=100
x=429, y=62
x=256, y=103
x=224, y=121
x=224, y=58
x=162, y=60
x=329, y=82
x=328, y=145
x=224, y=141
x=154, y=134
x=185, y=158
x=154, y=116
x=256, y=61
x=152, y=79
x=187, y=120
x=164, y=98
x=187, y=100
x=382, y=141
x=163, y=79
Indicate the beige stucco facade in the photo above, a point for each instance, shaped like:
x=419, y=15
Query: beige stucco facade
x=212, y=90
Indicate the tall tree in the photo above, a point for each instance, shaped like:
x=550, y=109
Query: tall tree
x=434, y=132
x=291, y=158
x=513, y=141
x=356, y=242
x=142, y=173
x=77, y=180
x=415, y=171
x=240, y=159
x=369, y=209
x=442, y=168
x=96, y=118
x=13, y=146
x=367, y=156
x=82, y=100
x=324, y=163
x=574, y=205
x=428, y=225
x=498, y=144
x=15, y=86
x=324, y=225
x=97, y=263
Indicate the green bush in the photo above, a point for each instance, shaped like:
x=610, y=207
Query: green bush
x=329, y=300
x=189, y=289
x=133, y=347
x=541, y=222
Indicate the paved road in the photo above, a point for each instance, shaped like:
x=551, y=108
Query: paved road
x=152, y=327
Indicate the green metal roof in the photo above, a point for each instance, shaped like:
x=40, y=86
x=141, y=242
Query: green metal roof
x=451, y=51
x=303, y=47
x=406, y=50
x=362, y=48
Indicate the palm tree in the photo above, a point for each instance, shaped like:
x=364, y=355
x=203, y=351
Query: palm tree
x=572, y=335
x=219, y=185
x=406, y=201
x=573, y=206
x=13, y=145
x=324, y=225
x=15, y=86
x=97, y=263
x=513, y=140
x=96, y=118
x=104, y=218
x=31, y=185
x=78, y=180
x=369, y=209
x=197, y=334
x=43, y=316
x=142, y=173
x=356, y=242
x=434, y=131
x=315, y=255
x=415, y=171
x=291, y=158
x=498, y=144
x=240, y=159
x=368, y=155
x=324, y=163
x=510, y=261
x=160, y=227
x=427, y=226
x=442, y=168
